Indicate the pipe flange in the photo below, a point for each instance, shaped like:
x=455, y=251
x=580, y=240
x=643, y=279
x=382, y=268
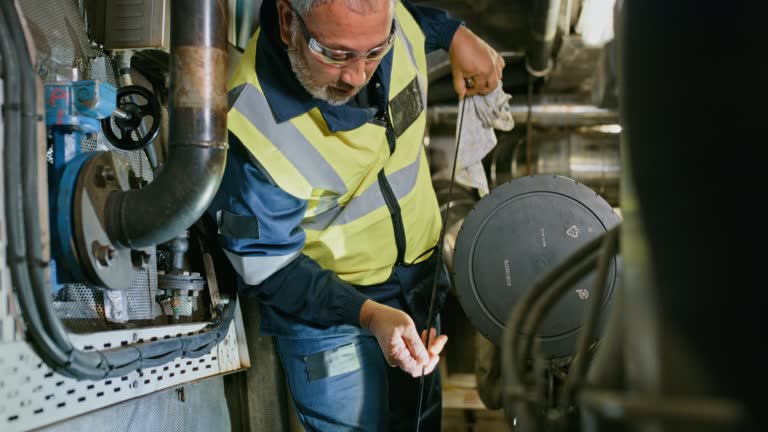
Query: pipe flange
x=103, y=263
x=186, y=284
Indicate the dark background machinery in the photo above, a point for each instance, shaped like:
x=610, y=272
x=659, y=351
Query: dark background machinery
x=639, y=119
x=625, y=115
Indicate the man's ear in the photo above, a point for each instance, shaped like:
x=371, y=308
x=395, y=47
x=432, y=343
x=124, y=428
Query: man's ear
x=285, y=17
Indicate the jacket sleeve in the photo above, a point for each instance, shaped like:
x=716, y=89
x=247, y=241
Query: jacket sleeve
x=260, y=232
x=438, y=26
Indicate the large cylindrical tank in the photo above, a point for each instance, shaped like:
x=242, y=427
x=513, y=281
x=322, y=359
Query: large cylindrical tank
x=462, y=200
x=589, y=157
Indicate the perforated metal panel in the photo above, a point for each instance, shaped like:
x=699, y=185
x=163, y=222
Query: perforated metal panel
x=58, y=32
x=77, y=301
x=196, y=407
x=32, y=395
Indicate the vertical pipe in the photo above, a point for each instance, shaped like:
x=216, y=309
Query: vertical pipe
x=543, y=26
x=197, y=133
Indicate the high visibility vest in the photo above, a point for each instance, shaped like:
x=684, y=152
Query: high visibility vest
x=368, y=210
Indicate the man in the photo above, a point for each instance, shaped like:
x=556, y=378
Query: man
x=326, y=209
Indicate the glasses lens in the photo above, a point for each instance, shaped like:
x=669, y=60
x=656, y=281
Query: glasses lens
x=377, y=53
x=341, y=58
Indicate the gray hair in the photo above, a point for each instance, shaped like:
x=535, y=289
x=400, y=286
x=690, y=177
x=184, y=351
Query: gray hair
x=304, y=6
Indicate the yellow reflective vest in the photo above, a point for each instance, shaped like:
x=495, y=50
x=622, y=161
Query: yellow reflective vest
x=368, y=209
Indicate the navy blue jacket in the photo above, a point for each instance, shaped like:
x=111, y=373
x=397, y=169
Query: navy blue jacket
x=302, y=290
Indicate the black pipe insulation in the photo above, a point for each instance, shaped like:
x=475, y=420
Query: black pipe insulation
x=45, y=331
x=197, y=135
x=543, y=29
x=579, y=367
x=12, y=173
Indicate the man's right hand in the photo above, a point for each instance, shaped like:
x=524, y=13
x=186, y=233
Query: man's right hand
x=399, y=341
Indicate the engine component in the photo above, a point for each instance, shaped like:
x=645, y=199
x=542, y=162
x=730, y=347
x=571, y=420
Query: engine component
x=28, y=257
x=78, y=106
x=175, y=285
x=71, y=109
x=104, y=264
x=588, y=157
x=130, y=117
x=516, y=234
x=462, y=201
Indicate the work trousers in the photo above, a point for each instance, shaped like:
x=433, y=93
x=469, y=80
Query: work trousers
x=337, y=376
x=342, y=383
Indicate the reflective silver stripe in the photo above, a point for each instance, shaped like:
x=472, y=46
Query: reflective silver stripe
x=402, y=182
x=362, y=205
x=321, y=221
x=419, y=77
x=256, y=269
x=233, y=95
x=323, y=216
x=326, y=203
x=288, y=140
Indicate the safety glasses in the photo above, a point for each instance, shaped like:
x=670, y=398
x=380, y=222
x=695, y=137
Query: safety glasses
x=340, y=58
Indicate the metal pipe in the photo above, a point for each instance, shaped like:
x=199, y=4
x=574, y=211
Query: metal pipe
x=543, y=28
x=544, y=114
x=197, y=133
x=589, y=158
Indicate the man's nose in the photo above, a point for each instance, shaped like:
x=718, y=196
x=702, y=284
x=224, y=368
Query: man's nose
x=354, y=73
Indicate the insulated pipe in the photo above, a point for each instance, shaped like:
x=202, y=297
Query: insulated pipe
x=543, y=28
x=545, y=113
x=197, y=133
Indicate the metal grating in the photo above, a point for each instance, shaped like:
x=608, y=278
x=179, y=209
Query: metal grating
x=58, y=31
x=32, y=395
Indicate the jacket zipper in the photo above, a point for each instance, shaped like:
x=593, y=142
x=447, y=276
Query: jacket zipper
x=390, y=198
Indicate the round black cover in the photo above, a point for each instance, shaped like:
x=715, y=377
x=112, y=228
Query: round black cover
x=513, y=237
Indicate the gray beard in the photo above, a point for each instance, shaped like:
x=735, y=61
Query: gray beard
x=301, y=70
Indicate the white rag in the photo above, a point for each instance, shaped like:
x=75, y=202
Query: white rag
x=482, y=115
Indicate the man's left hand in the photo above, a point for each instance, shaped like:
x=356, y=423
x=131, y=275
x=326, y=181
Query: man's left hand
x=476, y=66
